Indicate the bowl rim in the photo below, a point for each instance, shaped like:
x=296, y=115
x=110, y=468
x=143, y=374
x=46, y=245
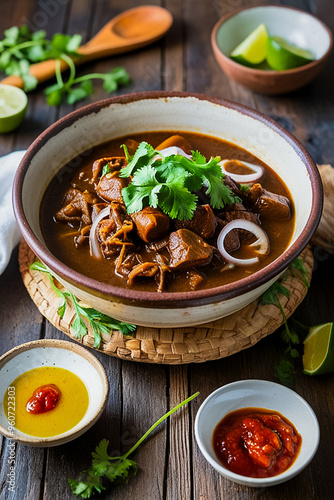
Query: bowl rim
x=166, y=299
x=253, y=481
x=263, y=72
x=81, y=351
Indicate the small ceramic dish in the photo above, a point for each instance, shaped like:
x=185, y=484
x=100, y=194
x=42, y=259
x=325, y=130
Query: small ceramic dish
x=61, y=354
x=257, y=394
x=296, y=26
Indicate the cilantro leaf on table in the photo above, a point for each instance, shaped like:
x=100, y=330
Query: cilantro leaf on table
x=171, y=182
x=114, y=469
x=293, y=332
x=21, y=47
x=99, y=322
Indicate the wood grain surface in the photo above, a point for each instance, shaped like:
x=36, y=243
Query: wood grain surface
x=170, y=463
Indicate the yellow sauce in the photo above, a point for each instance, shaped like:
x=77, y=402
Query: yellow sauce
x=70, y=409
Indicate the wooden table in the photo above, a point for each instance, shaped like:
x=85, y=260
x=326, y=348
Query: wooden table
x=171, y=465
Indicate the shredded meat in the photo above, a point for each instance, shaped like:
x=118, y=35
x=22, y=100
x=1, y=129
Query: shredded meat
x=114, y=163
x=113, y=233
x=156, y=269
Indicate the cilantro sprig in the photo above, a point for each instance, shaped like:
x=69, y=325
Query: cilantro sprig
x=99, y=322
x=293, y=332
x=20, y=48
x=171, y=182
x=113, y=468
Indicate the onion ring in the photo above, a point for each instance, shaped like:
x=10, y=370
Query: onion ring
x=172, y=150
x=243, y=179
x=262, y=241
x=94, y=246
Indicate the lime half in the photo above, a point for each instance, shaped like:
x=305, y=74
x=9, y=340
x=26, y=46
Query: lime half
x=13, y=105
x=281, y=55
x=318, y=357
x=253, y=49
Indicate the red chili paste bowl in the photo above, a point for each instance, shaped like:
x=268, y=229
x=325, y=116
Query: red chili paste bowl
x=121, y=116
x=259, y=394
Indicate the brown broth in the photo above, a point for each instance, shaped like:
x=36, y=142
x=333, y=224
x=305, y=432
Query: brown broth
x=59, y=236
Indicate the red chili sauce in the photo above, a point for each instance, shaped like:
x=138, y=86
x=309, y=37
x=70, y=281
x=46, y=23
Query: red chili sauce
x=254, y=442
x=45, y=398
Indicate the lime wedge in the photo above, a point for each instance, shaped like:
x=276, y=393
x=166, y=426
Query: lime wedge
x=318, y=357
x=281, y=55
x=13, y=105
x=253, y=49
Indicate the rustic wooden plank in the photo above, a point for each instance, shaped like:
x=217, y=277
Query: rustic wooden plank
x=178, y=474
x=144, y=402
x=173, y=56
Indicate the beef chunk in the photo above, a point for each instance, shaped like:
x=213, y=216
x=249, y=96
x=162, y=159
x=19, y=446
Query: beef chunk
x=76, y=208
x=110, y=187
x=232, y=240
x=114, y=163
x=231, y=215
x=151, y=223
x=269, y=205
x=188, y=249
x=233, y=185
x=203, y=222
x=195, y=279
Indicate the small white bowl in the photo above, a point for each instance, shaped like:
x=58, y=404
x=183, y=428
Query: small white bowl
x=257, y=394
x=61, y=354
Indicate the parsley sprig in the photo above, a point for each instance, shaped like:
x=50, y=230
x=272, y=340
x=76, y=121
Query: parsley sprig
x=113, y=468
x=171, y=183
x=293, y=332
x=99, y=322
x=20, y=48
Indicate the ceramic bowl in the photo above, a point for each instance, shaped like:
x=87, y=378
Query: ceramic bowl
x=61, y=354
x=257, y=394
x=296, y=26
x=97, y=123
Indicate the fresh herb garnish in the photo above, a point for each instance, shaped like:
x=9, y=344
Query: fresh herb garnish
x=20, y=48
x=75, y=89
x=112, y=468
x=292, y=332
x=99, y=322
x=171, y=182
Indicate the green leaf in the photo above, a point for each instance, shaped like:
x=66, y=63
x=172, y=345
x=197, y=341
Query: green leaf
x=54, y=97
x=270, y=296
x=142, y=157
x=298, y=265
x=73, y=43
x=113, y=468
x=285, y=371
x=79, y=93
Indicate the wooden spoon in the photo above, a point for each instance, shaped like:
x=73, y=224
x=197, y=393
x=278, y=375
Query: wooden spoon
x=129, y=30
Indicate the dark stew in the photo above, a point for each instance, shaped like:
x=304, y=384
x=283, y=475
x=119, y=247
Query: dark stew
x=173, y=221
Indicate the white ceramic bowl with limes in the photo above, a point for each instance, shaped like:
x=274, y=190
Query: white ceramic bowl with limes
x=297, y=27
x=13, y=106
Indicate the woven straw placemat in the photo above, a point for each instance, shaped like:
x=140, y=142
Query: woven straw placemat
x=211, y=341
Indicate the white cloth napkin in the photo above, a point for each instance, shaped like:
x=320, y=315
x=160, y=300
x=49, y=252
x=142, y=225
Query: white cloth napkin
x=9, y=231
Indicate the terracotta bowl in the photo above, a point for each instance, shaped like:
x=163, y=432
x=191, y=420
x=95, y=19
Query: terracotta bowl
x=79, y=131
x=296, y=26
x=62, y=354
